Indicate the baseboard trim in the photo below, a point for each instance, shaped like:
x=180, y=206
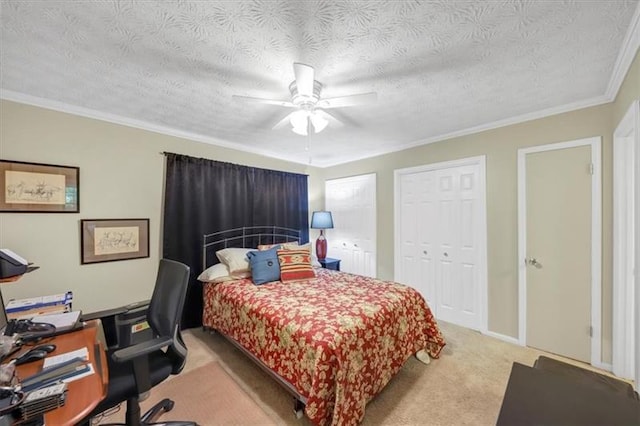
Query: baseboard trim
x=503, y=337
x=603, y=366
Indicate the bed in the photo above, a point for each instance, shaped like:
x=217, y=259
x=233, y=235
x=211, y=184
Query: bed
x=334, y=341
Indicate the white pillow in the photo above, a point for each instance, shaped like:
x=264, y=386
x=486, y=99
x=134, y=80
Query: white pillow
x=236, y=261
x=215, y=274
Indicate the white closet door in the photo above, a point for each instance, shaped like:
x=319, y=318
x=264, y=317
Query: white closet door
x=352, y=203
x=440, y=233
x=445, y=228
x=418, y=211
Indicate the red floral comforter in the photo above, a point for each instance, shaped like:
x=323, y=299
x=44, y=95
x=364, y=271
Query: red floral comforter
x=338, y=338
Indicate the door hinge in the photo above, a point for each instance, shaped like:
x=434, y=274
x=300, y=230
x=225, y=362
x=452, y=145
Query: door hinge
x=590, y=331
x=591, y=168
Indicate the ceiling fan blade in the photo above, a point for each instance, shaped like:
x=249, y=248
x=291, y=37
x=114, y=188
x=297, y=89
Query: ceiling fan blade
x=304, y=78
x=263, y=101
x=280, y=124
x=351, y=100
x=334, y=122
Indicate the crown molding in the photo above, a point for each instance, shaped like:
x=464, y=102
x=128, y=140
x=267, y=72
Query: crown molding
x=10, y=95
x=139, y=124
x=626, y=55
x=599, y=100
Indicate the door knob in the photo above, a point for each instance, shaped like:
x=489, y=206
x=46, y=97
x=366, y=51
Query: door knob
x=424, y=251
x=355, y=245
x=533, y=262
x=446, y=254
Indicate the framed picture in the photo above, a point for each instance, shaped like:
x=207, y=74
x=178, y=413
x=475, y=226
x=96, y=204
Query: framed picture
x=106, y=240
x=39, y=188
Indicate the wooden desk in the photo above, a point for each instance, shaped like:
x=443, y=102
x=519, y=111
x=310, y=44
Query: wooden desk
x=84, y=394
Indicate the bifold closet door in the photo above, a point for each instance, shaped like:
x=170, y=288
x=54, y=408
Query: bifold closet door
x=352, y=203
x=418, y=243
x=439, y=230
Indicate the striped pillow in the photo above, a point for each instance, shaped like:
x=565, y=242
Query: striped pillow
x=295, y=265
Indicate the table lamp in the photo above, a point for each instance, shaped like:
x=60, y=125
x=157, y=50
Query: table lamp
x=321, y=220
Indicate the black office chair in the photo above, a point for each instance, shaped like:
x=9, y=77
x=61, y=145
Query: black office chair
x=133, y=370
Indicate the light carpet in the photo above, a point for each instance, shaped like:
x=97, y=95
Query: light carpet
x=464, y=386
x=206, y=395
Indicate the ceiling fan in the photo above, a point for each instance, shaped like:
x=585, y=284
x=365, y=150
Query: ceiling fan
x=310, y=115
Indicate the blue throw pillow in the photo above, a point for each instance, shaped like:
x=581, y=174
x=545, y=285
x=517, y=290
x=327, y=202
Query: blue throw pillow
x=264, y=266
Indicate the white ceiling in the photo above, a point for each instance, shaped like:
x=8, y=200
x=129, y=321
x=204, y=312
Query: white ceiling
x=440, y=67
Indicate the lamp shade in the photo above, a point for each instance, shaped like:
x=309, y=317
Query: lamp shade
x=321, y=220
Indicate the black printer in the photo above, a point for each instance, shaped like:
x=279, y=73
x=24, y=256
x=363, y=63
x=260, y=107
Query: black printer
x=12, y=265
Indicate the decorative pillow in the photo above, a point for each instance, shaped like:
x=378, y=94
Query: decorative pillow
x=215, y=273
x=295, y=265
x=264, y=266
x=236, y=261
x=307, y=246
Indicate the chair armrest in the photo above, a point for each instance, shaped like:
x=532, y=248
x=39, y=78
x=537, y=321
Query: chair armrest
x=103, y=314
x=140, y=349
x=113, y=311
x=109, y=319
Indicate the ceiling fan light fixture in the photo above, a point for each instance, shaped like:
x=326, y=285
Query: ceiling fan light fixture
x=302, y=131
x=300, y=122
x=310, y=107
x=299, y=118
x=319, y=123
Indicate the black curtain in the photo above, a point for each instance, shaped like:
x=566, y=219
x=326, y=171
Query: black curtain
x=205, y=196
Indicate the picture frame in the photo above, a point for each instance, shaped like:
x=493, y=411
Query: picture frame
x=38, y=188
x=108, y=240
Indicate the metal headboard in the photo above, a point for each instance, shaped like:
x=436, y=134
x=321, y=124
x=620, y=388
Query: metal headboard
x=247, y=236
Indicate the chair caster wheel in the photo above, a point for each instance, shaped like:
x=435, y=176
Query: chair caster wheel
x=167, y=405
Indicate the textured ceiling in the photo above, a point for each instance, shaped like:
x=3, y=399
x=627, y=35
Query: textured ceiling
x=438, y=66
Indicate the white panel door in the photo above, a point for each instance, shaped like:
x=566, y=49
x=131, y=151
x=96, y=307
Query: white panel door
x=468, y=255
x=418, y=211
x=458, y=253
x=440, y=237
x=445, y=229
x=352, y=203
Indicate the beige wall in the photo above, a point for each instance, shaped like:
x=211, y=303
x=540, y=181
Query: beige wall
x=500, y=147
x=121, y=176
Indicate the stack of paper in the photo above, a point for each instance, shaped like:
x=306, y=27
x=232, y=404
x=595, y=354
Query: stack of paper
x=63, y=322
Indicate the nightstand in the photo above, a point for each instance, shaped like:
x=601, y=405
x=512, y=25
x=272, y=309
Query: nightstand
x=329, y=263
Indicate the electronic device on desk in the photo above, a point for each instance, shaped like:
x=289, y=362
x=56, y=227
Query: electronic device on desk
x=39, y=401
x=12, y=265
x=27, y=328
x=57, y=324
